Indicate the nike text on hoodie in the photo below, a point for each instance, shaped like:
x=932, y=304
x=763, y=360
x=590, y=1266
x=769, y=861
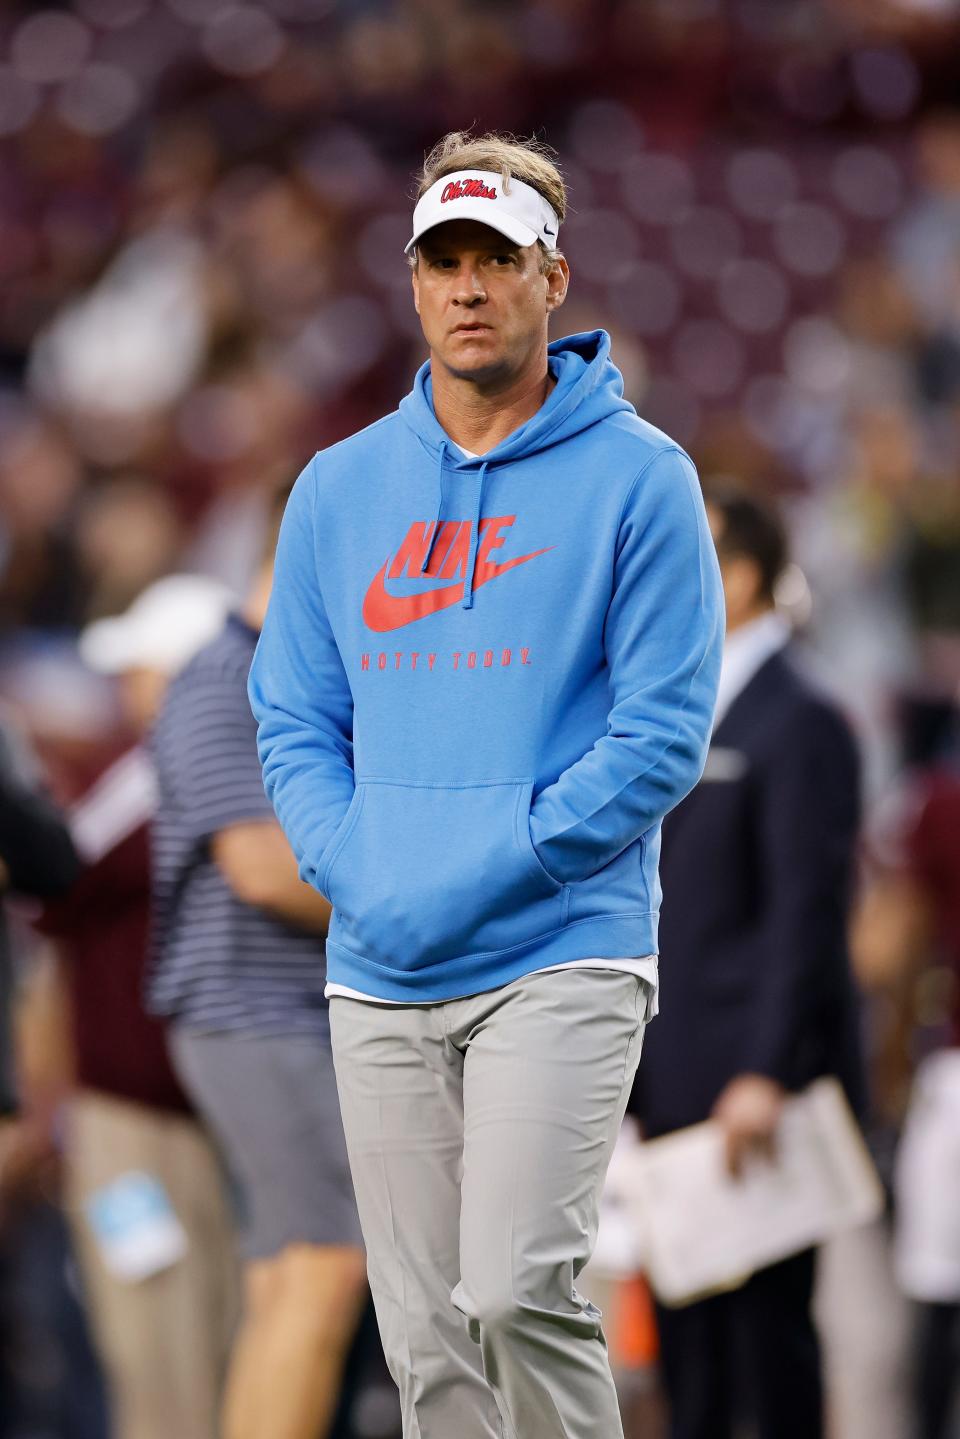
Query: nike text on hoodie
x=483, y=682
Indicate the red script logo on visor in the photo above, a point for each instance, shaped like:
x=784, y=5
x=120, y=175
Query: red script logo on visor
x=467, y=190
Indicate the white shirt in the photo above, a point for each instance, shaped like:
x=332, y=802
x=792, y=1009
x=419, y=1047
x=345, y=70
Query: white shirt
x=746, y=651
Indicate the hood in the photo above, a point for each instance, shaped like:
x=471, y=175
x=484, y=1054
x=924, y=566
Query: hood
x=589, y=388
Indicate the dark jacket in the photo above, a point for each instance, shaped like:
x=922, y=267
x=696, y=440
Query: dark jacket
x=756, y=871
x=39, y=859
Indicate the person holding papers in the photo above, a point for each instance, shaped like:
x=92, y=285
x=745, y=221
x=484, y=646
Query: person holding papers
x=757, y=995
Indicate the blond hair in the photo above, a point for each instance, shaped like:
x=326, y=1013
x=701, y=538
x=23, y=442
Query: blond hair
x=531, y=161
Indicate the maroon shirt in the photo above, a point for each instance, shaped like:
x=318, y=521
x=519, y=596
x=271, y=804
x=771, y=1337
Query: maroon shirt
x=101, y=927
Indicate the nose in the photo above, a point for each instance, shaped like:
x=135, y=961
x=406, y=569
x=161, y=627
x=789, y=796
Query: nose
x=469, y=289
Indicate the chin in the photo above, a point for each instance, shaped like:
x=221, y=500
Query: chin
x=478, y=367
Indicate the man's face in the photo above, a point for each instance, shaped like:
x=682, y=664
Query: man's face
x=483, y=302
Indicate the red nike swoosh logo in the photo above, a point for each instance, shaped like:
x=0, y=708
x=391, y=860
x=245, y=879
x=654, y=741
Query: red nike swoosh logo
x=384, y=611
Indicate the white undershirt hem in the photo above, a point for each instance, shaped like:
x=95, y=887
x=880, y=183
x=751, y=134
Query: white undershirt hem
x=644, y=968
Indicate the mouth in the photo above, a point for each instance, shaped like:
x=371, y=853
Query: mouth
x=473, y=329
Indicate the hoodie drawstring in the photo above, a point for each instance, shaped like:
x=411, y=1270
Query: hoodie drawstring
x=467, y=602
x=436, y=525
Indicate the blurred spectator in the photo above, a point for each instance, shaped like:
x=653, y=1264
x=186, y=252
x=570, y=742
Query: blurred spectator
x=163, y=1324
x=239, y=973
x=40, y=480
x=37, y=857
x=50, y=1383
x=127, y=536
x=926, y=246
x=757, y=996
x=919, y=900
x=928, y=1243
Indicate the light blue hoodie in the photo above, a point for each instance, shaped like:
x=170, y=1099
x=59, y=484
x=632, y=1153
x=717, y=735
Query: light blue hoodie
x=482, y=683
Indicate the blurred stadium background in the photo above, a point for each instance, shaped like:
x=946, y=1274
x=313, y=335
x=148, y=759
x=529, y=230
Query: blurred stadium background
x=202, y=212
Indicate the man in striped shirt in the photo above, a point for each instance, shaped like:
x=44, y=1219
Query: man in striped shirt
x=239, y=973
x=163, y=1339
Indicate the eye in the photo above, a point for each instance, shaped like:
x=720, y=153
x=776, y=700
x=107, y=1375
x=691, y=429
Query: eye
x=503, y=260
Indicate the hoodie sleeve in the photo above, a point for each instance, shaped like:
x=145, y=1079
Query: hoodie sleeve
x=663, y=639
x=300, y=695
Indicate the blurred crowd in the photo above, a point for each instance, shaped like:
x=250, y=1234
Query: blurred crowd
x=203, y=214
x=203, y=208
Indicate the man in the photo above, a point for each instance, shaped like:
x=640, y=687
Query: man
x=37, y=858
x=163, y=1334
x=487, y=672
x=239, y=974
x=758, y=1000
x=917, y=896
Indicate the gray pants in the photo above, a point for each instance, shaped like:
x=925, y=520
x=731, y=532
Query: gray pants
x=479, y=1132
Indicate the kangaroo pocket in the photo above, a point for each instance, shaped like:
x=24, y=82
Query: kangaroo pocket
x=421, y=873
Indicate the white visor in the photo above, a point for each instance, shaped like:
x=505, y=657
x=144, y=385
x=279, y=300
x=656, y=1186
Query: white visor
x=521, y=213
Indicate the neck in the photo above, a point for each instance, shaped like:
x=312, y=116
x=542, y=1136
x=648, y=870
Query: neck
x=255, y=605
x=478, y=415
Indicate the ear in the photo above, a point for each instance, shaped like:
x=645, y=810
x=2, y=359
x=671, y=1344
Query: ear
x=415, y=282
x=558, y=281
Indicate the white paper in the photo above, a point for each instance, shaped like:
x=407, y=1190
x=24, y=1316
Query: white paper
x=927, y=1184
x=617, y=1253
x=701, y=1231
x=135, y=1225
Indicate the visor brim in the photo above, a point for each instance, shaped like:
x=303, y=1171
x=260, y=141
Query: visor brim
x=479, y=210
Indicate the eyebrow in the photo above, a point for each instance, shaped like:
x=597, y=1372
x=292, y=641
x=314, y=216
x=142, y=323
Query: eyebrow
x=440, y=251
